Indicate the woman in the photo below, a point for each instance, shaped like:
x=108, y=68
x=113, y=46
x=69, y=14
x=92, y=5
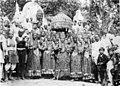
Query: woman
x=12, y=57
x=48, y=60
x=76, y=66
x=6, y=27
x=42, y=47
x=33, y=61
x=87, y=62
x=62, y=63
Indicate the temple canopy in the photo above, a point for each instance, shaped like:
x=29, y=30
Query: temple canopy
x=61, y=21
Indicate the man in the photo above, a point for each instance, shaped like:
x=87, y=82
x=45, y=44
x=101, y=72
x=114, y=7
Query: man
x=12, y=57
x=112, y=65
x=21, y=49
x=102, y=64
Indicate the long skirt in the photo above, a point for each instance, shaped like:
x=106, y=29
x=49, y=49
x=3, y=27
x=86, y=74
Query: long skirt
x=76, y=67
x=48, y=63
x=62, y=65
x=33, y=63
x=87, y=68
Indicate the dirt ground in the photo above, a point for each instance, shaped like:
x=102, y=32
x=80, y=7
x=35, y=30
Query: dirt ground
x=46, y=82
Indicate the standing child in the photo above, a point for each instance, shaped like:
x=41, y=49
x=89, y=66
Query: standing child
x=102, y=64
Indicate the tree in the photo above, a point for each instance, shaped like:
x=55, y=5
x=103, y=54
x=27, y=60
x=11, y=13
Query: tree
x=55, y=7
x=8, y=8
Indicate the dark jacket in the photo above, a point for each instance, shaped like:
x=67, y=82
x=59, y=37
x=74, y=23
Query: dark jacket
x=102, y=62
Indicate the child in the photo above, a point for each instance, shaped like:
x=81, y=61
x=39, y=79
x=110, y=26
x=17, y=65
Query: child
x=102, y=64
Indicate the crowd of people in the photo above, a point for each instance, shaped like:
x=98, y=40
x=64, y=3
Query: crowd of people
x=35, y=50
x=43, y=51
x=38, y=51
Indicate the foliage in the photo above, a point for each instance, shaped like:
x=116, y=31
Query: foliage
x=106, y=13
x=51, y=8
x=55, y=7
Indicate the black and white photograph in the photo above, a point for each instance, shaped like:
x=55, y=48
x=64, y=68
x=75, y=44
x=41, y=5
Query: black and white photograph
x=59, y=42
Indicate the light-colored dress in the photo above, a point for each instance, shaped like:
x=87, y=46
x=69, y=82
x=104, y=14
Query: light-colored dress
x=33, y=60
x=76, y=66
x=48, y=59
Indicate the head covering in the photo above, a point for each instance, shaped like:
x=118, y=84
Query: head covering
x=101, y=49
x=21, y=30
x=111, y=49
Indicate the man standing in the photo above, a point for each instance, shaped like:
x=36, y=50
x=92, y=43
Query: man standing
x=113, y=65
x=21, y=49
x=102, y=64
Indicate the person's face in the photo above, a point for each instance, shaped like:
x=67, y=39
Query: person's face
x=27, y=32
x=6, y=23
x=34, y=26
x=101, y=51
x=6, y=36
x=62, y=40
x=20, y=34
x=11, y=36
x=34, y=36
x=39, y=24
x=80, y=23
x=110, y=52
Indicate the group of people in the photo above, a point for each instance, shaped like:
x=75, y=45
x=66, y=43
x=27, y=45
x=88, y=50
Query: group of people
x=41, y=50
